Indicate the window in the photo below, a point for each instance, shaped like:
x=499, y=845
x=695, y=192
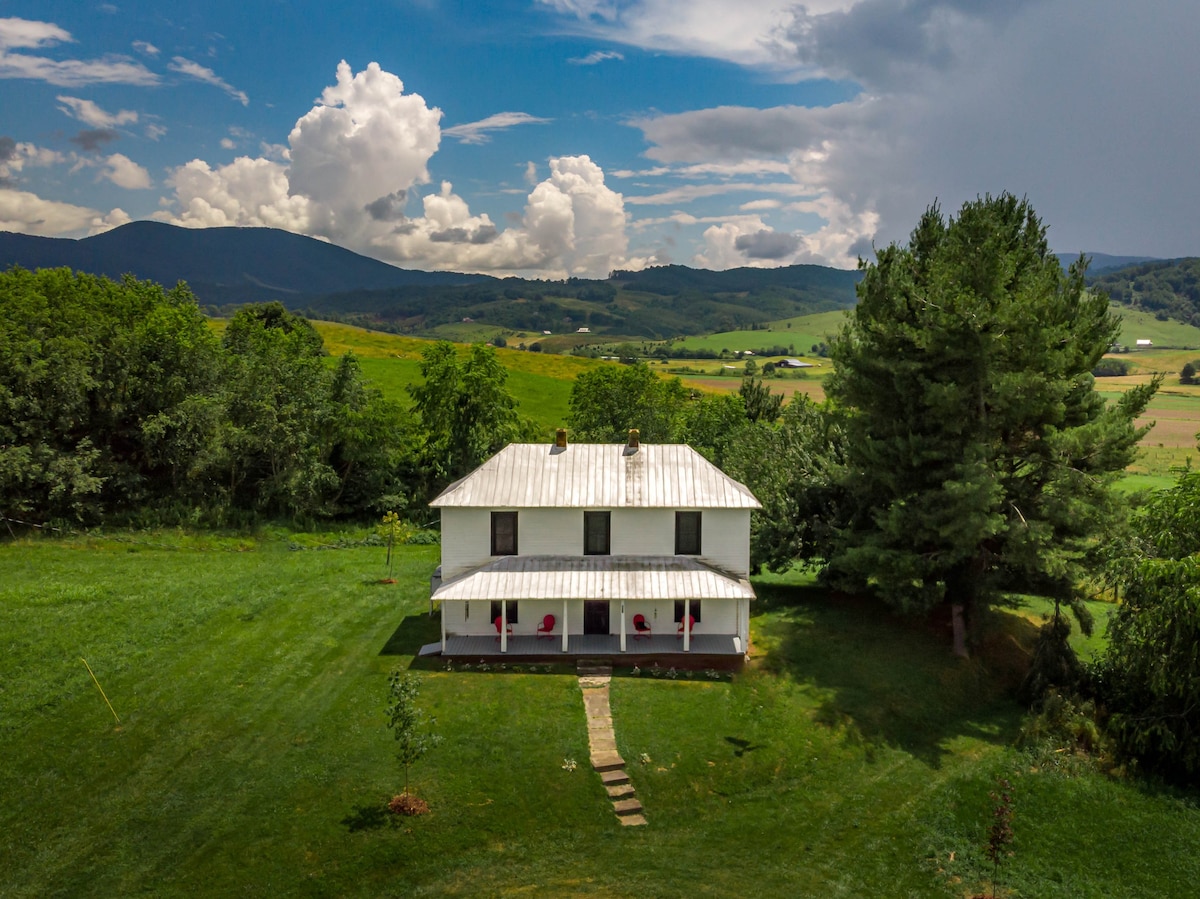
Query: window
x=687, y=533
x=694, y=610
x=511, y=610
x=597, y=533
x=504, y=533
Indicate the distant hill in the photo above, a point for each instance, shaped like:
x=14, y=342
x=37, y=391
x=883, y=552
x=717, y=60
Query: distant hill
x=1103, y=262
x=660, y=302
x=1167, y=289
x=221, y=265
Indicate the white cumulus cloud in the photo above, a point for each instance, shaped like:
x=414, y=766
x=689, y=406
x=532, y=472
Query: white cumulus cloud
x=30, y=214
x=124, y=172
x=353, y=167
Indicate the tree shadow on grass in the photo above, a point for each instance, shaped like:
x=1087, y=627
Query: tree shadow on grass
x=889, y=681
x=366, y=816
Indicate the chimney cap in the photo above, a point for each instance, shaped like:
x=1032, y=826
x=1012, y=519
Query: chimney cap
x=634, y=438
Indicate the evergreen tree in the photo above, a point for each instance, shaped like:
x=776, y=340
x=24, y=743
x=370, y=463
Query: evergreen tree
x=980, y=457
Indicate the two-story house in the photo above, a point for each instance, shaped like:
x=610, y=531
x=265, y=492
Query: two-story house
x=595, y=549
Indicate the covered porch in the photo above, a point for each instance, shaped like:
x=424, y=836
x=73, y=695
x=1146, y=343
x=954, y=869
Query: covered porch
x=603, y=606
x=591, y=645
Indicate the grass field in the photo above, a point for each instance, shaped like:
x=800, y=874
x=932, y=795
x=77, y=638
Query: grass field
x=853, y=758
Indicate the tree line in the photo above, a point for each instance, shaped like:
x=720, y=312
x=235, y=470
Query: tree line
x=119, y=403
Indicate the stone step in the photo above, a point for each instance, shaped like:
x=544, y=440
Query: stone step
x=607, y=761
x=613, y=777
x=632, y=820
x=627, y=807
x=620, y=791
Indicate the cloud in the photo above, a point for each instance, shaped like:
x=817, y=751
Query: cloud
x=124, y=172
x=28, y=213
x=14, y=156
x=154, y=131
x=90, y=114
x=595, y=58
x=202, y=73
x=531, y=176
x=145, y=47
x=477, y=132
x=766, y=244
x=354, y=165
x=25, y=34
x=749, y=33
x=94, y=139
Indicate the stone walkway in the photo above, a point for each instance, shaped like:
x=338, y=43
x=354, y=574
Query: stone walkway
x=602, y=743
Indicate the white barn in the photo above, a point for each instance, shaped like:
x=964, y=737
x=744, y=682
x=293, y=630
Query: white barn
x=596, y=550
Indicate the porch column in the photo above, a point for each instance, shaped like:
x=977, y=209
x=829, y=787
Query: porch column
x=622, y=625
x=566, y=643
x=504, y=625
x=443, y=628
x=687, y=631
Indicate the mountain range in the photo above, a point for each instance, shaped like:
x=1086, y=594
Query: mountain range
x=221, y=265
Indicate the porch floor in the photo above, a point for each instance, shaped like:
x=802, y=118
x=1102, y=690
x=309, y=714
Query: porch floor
x=597, y=645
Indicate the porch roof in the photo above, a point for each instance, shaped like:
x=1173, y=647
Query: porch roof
x=595, y=577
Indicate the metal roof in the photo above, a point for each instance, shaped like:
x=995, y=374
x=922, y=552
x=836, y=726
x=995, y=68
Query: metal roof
x=595, y=577
x=598, y=476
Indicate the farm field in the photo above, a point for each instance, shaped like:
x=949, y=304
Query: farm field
x=541, y=383
x=251, y=755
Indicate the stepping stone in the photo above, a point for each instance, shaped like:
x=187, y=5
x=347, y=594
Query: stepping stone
x=627, y=807
x=620, y=791
x=591, y=682
x=616, y=776
x=607, y=761
x=632, y=820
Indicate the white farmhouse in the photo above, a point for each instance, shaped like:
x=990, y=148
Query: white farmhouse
x=600, y=550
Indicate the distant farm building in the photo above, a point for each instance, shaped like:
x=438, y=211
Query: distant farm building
x=792, y=363
x=1144, y=343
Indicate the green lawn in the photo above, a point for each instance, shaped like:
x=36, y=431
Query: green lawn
x=853, y=758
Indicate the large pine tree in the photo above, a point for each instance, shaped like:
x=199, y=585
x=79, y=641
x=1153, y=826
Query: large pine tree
x=980, y=457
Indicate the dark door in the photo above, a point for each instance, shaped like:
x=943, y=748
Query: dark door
x=595, y=616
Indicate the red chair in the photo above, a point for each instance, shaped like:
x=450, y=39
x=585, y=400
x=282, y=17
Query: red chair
x=641, y=627
x=546, y=628
x=499, y=624
x=691, y=626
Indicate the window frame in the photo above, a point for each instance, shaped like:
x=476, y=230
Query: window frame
x=591, y=519
x=694, y=610
x=682, y=549
x=497, y=548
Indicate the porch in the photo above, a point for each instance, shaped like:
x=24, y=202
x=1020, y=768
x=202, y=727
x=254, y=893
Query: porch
x=607, y=646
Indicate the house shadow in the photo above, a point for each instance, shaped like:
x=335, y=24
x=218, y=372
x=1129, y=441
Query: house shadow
x=885, y=681
x=413, y=632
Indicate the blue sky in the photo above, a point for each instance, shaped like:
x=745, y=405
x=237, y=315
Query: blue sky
x=571, y=137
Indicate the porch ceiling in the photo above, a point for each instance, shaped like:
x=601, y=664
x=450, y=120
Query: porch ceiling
x=595, y=577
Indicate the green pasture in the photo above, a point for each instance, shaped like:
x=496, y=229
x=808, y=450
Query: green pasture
x=801, y=332
x=853, y=757
x=1138, y=325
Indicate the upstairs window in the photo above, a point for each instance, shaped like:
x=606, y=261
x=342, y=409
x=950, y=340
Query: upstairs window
x=597, y=533
x=687, y=533
x=504, y=533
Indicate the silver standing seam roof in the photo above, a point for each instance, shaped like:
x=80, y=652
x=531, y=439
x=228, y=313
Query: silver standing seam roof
x=595, y=577
x=597, y=476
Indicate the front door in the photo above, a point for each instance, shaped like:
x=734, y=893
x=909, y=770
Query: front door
x=595, y=616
